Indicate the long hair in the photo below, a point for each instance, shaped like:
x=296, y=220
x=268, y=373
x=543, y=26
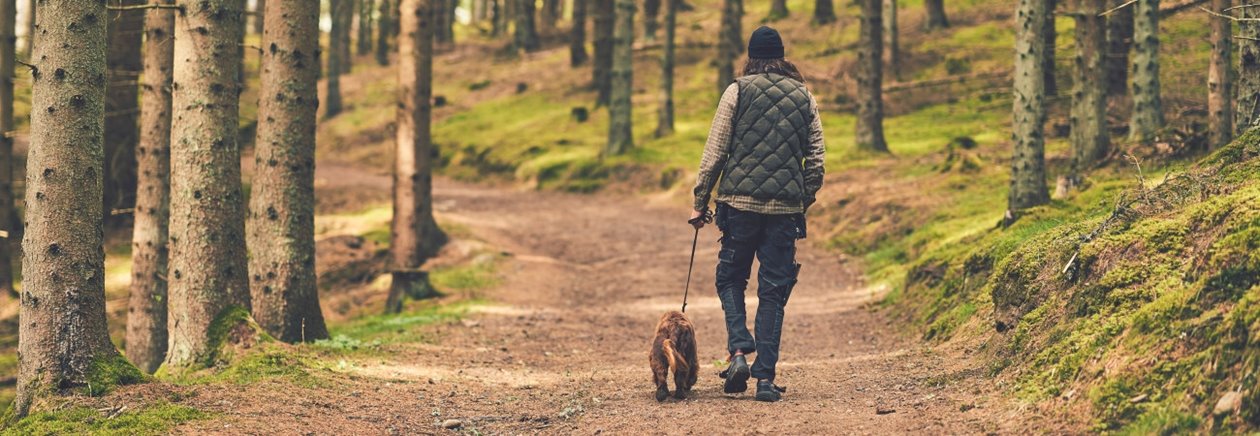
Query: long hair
x=778, y=66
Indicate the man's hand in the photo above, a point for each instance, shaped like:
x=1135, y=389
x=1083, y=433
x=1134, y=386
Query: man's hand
x=699, y=218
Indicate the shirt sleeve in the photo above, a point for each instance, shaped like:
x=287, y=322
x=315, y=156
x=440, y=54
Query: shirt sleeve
x=716, y=148
x=815, y=156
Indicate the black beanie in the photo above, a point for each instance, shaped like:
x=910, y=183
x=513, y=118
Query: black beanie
x=765, y=44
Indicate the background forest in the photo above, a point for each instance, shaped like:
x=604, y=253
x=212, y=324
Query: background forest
x=1036, y=215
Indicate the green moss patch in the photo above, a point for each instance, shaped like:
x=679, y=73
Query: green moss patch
x=154, y=419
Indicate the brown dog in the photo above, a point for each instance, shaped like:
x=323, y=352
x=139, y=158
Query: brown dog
x=674, y=349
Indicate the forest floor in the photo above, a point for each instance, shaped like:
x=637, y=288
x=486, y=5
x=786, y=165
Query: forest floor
x=559, y=344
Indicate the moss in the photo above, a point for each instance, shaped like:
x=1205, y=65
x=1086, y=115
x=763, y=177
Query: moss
x=109, y=371
x=232, y=322
x=153, y=419
x=1162, y=421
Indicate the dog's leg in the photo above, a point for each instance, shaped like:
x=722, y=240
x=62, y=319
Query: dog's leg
x=660, y=371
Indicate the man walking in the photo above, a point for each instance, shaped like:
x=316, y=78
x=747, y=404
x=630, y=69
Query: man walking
x=766, y=147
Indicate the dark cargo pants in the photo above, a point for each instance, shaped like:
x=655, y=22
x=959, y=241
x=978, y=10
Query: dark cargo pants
x=772, y=239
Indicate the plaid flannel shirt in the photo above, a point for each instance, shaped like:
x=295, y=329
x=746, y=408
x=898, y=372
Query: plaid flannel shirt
x=717, y=150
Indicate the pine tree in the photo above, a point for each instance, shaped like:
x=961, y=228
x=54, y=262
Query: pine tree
x=549, y=15
x=8, y=214
x=1028, y=165
x=207, y=279
x=1051, y=39
x=338, y=10
x=443, y=21
x=121, y=112
x=936, y=18
x=526, y=35
x=665, y=120
x=730, y=43
x=825, y=12
x=364, y=44
x=577, y=35
x=605, y=17
x=385, y=29
x=870, y=119
x=1148, y=111
x=146, y=313
x=260, y=10
x=1089, y=98
x=778, y=10
x=651, y=13
x=620, y=125
x=63, y=339
x=893, y=52
x=414, y=235
x=1221, y=79
x=1119, y=42
x=1248, y=97
x=281, y=231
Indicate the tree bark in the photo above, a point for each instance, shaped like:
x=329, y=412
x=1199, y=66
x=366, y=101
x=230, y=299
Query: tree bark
x=825, y=12
x=415, y=235
x=384, y=27
x=893, y=53
x=1028, y=164
x=208, y=260
x=1119, y=42
x=1221, y=80
x=665, y=120
x=778, y=10
x=146, y=313
x=870, y=119
x=549, y=15
x=1148, y=112
x=1248, y=103
x=1051, y=40
x=63, y=339
x=364, y=44
x=8, y=213
x=121, y=106
x=620, y=125
x=936, y=18
x=730, y=43
x=281, y=228
x=260, y=10
x=347, y=31
x=651, y=13
x=577, y=35
x=443, y=14
x=605, y=17
x=339, y=9
x=526, y=34
x=1089, y=99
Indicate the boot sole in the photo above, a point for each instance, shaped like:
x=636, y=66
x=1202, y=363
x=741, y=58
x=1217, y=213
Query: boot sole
x=768, y=397
x=737, y=380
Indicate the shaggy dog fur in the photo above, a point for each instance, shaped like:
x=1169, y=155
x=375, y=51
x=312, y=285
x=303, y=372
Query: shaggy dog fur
x=674, y=349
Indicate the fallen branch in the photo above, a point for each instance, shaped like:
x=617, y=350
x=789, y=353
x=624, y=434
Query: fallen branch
x=1165, y=12
x=144, y=7
x=1117, y=8
x=1229, y=17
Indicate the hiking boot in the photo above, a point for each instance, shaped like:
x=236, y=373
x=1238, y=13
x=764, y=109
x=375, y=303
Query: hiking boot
x=737, y=375
x=768, y=392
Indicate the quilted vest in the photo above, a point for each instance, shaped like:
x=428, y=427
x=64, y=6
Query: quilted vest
x=771, y=131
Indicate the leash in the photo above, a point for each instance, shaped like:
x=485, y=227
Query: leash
x=705, y=217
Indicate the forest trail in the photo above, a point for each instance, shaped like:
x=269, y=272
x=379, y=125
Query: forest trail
x=560, y=345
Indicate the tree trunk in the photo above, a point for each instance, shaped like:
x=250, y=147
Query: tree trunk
x=1248, y=103
x=207, y=264
x=1148, y=112
x=260, y=8
x=778, y=10
x=870, y=119
x=665, y=121
x=146, y=314
x=442, y=25
x=620, y=125
x=121, y=106
x=347, y=44
x=1051, y=40
x=63, y=338
x=1119, y=42
x=526, y=34
x=825, y=12
x=281, y=228
x=1028, y=164
x=498, y=17
x=1221, y=80
x=605, y=17
x=8, y=212
x=384, y=28
x=1089, y=99
x=935, y=15
x=364, y=44
x=415, y=235
x=893, y=53
x=651, y=12
x=338, y=9
x=577, y=35
x=549, y=15
x=730, y=43
x=30, y=28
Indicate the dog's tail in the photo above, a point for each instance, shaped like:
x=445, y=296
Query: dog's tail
x=676, y=360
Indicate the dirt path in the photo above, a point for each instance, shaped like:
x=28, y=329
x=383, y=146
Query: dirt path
x=561, y=348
